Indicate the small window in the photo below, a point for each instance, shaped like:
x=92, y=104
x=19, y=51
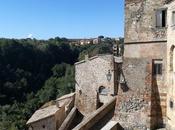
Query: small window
x=103, y=90
x=157, y=67
x=171, y=104
x=161, y=18
x=173, y=18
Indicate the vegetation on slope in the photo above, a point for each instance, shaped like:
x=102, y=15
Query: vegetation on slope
x=33, y=72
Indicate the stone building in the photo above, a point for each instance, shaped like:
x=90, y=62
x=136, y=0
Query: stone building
x=146, y=37
x=92, y=79
x=46, y=119
x=52, y=115
x=149, y=34
x=133, y=92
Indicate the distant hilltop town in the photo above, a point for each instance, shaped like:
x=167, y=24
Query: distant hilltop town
x=86, y=41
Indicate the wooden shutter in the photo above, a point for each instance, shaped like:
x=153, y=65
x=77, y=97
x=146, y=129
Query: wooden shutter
x=159, y=18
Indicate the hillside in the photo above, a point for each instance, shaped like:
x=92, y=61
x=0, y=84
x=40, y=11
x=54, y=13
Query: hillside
x=33, y=72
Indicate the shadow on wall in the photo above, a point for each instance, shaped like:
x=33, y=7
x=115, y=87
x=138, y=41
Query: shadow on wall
x=101, y=123
x=122, y=80
x=119, y=127
x=156, y=110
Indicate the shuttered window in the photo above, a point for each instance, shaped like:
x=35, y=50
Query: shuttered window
x=161, y=18
x=173, y=18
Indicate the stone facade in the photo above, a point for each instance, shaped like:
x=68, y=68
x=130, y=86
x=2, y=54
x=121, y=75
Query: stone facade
x=133, y=107
x=143, y=39
x=46, y=124
x=171, y=67
x=91, y=80
x=140, y=22
x=51, y=122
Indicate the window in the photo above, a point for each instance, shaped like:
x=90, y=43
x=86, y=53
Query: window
x=103, y=90
x=173, y=18
x=157, y=67
x=161, y=18
x=171, y=104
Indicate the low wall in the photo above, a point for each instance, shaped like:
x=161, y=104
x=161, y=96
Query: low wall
x=67, y=122
x=89, y=121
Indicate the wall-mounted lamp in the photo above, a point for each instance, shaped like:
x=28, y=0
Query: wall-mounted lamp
x=109, y=75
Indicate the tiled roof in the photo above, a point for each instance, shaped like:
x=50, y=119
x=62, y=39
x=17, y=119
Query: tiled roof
x=43, y=113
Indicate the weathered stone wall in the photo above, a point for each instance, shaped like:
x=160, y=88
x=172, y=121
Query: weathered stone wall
x=171, y=67
x=45, y=124
x=133, y=107
x=152, y=51
x=146, y=50
x=90, y=121
x=89, y=76
x=60, y=116
x=144, y=104
x=144, y=40
x=140, y=21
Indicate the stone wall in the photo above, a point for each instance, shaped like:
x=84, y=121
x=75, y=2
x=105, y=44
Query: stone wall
x=45, y=124
x=171, y=68
x=152, y=51
x=90, y=75
x=95, y=117
x=133, y=107
x=140, y=21
x=143, y=105
x=144, y=40
x=146, y=50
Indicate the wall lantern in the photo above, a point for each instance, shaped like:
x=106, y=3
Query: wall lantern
x=108, y=76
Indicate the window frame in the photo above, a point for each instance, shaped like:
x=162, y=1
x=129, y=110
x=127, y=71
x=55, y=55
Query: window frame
x=160, y=23
x=158, y=67
x=173, y=18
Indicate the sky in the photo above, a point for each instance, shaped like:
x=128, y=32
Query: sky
x=44, y=19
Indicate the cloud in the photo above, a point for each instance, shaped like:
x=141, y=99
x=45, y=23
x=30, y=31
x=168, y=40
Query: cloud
x=30, y=36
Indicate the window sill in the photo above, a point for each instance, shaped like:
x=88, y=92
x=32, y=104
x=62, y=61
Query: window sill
x=158, y=77
x=161, y=27
x=173, y=25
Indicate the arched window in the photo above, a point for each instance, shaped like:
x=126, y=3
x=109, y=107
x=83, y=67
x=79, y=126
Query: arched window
x=103, y=90
x=172, y=58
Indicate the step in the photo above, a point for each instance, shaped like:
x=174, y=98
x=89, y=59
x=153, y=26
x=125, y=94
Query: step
x=111, y=125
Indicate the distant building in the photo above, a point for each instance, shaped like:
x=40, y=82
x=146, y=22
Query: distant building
x=85, y=41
